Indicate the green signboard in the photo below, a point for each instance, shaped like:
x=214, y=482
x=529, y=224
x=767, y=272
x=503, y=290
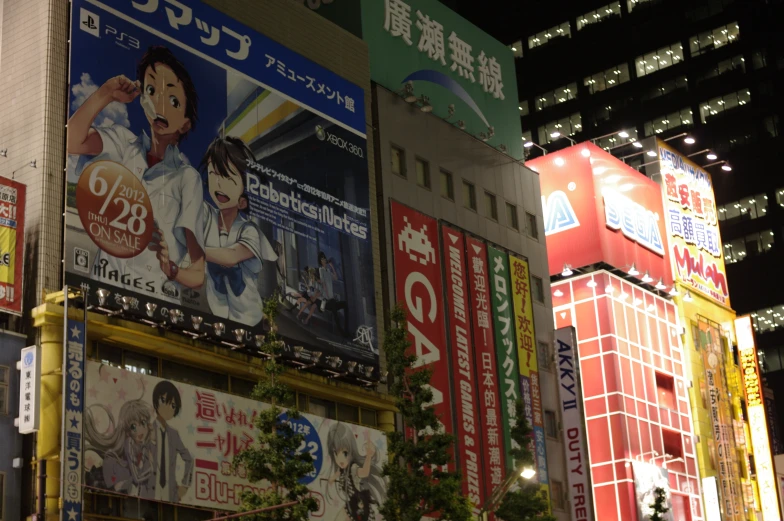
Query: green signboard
x=468, y=76
x=505, y=346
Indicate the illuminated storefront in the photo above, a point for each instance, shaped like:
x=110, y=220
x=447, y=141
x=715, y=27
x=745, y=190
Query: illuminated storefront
x=702, y=297
x=609, y=263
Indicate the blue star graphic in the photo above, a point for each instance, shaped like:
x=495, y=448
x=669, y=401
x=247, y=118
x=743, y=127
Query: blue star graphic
x=191, y=429
x=74, y=423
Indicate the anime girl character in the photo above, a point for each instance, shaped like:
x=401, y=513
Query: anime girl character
x=234, y=246
x=356, y=478
x=126, y=447
x=170, y=102
x=309, y=297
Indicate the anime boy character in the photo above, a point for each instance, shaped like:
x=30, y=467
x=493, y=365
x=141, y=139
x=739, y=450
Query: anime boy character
x=170, y=102
x=357, y=479
x=168, y=445
x=234, y=246
x=126, y=447
x=328, y=274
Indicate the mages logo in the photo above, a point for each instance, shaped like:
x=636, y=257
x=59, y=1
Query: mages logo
x=559, y=215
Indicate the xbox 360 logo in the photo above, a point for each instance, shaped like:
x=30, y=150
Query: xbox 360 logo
x=339, y=142
x=321, y=133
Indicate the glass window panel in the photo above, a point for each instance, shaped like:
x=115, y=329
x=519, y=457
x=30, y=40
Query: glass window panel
x=195, y=376
x=469, y=195
x=110, y=355
x=491, y=206
x=242, y=387
x=348, y=413
x=142, y=364
x=369, y=417
x=537, y=288
x=511, y=216
x=422, y=172
x=767, y=238
x=531, y=227
x=447, y=185
x=738, y=249
x=517, y=49
x=323, y=408
x=398, y=158
x=523, y=108
x=576, y=122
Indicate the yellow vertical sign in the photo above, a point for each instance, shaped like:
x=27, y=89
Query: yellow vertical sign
x=529, y=374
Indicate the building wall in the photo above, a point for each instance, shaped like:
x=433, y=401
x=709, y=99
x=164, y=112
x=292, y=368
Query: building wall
x=628, y=349
x=445, y=147
x=10, y=346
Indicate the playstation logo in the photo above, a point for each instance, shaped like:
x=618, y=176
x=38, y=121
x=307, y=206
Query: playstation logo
x=321, y=133
x=90, y=22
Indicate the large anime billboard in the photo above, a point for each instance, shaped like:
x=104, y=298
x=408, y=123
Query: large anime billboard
x=210, y=168
x=155, y=439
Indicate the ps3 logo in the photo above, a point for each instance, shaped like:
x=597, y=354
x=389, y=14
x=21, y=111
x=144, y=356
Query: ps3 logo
x=124, y=40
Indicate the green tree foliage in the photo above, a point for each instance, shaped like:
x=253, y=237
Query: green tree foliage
x=273, y=461
x=419, y=484
x=526, y=503
x=658, y=506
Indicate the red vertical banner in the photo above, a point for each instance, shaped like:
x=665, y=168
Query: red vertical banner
x=487, y=377
x=418, y=287
x=469, y=448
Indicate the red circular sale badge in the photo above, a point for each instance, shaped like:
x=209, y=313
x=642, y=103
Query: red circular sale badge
x=114, y=209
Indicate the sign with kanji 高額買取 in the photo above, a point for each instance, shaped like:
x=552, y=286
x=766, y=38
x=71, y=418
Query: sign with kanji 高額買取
x=465, y=74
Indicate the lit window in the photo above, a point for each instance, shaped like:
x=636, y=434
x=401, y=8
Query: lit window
x=517, y=49
x=556, y=96
x=565, y=126
x=511, y=216
x=599, y=15
x=422, y=173
x=669, y=121
x=559, y=31
x=659, y=59
x=631, y=4
x=469, y=196
x=398, y=159
x=447, y=186
x=710, y=40
x=523, y=108
x=607, y=78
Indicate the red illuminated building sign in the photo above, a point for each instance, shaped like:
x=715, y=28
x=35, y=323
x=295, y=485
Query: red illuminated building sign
x=598, y=209
x=634, y=390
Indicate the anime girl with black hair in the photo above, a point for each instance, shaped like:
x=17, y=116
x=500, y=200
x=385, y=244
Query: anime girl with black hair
x=234, y=247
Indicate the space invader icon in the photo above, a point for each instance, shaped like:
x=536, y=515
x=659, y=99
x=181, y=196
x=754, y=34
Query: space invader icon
x=416, y=244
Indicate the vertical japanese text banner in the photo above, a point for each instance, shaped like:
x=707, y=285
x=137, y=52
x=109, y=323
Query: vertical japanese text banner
x=418, y=287
x=505, y=346
x=526, y=350
x=758, y=425
x=73, y=431
x=489, y=399
x=463, y=356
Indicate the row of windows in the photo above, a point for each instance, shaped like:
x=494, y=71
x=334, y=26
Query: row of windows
x=665, y=87
x=768, y=319
x=714, y=39
x=747, y=208
x=154, y=366
x=734, y=64
x=723, y=103
x=659, y=59
x=598, y=15
x=771, y=359
x=607, y=78
x=556, y=96
x=447, y=188
x=567, y=126
x=748, y=246
x=563, y=30
x=673, y=120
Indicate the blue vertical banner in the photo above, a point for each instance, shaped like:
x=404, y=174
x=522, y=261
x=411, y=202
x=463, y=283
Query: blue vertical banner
x=73, y=408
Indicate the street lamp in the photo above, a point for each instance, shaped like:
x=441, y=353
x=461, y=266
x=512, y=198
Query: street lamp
x=529, y=144
x=556, y=135
x=494, y=501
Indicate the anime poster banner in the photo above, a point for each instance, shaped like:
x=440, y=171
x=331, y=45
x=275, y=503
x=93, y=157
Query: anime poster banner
x=505, y=346
x=160, y=440
x=419, y=289
x=203, y=179
x=647, y=478
x=692, y=225
x=463, y=356
x=73, y=430
x=12, y=242
x=487, y=378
